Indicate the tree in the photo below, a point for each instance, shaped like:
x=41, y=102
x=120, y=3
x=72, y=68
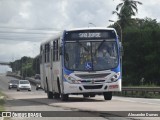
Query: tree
x=24, y=65
x=128, y=8
x=141, y=58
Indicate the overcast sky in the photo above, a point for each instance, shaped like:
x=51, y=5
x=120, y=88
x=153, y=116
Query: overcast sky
x=25, y=23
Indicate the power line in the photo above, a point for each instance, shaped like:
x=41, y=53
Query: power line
x=24, y=32
x=17, y=30
x=16, y=40
x=44, y=29
x=22, y=38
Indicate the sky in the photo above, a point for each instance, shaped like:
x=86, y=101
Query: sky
x=24, y=24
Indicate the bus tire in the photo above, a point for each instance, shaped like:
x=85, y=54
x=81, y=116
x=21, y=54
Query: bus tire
x=58, y=84
x=107, y=95
x=92, y=95
x=85, y=95
x=56, y=95
x=49, y=94
x=64, y=97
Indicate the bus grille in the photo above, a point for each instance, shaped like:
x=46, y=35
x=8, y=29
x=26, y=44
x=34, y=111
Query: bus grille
x=90, y=81
x=90, y=76
x=93, y=87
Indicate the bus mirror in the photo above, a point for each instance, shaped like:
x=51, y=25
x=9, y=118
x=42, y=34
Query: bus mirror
x=60, y=50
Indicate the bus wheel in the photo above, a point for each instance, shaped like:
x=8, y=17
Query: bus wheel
x=64, y=97
x=107, y=95
x=85, y=95
x=56, y=95
x=92, y=95
x=49, y=95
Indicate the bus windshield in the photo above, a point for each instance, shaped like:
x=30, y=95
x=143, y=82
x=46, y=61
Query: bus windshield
x=91, y=55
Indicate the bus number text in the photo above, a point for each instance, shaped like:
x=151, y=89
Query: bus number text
x=89, y=35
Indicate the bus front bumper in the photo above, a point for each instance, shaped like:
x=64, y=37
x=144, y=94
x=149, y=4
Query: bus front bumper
x=91, y=88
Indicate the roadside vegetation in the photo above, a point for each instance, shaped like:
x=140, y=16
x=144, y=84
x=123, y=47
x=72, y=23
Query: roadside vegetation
x=2, y=101
x=140, y=38
x=26, y=66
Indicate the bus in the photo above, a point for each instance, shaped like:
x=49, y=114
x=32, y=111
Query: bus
x=84, y=61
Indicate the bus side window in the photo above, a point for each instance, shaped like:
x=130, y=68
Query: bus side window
x=41, y=54
x=48, y=54
x=57, y=54
x=47, y=50
x=54, y=48
x=45, y=54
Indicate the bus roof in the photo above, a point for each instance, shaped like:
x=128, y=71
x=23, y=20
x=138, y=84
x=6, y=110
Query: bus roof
x=47, y=40
x=91, y=28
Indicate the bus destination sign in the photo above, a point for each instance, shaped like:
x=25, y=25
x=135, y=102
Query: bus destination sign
x=86, y=35
x=89, y=35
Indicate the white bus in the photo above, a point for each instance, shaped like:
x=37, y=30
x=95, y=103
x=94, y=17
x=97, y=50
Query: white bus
x=81, y=61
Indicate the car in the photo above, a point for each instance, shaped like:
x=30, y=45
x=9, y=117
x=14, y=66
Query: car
x=37, y=76
x=38, y=86
x=12, y=84
x=24, y=85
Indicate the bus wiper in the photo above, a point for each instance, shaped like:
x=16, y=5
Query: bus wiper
x=82, y=46
x=99, y=46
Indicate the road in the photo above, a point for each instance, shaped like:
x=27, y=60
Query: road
x=37, y=101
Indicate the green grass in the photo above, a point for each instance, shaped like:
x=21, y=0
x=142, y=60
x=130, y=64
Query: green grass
x=1, y=101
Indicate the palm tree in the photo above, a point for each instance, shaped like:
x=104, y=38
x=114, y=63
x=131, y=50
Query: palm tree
x=128, y=8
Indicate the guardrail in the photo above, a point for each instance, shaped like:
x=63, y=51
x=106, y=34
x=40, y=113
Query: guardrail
x=13, y=75
x=33, y=81
x=141, y=90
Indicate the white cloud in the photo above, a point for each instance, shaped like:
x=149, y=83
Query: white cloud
x=10, y=52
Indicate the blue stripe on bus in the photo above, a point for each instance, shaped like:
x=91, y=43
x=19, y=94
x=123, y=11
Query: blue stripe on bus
x=117, y=69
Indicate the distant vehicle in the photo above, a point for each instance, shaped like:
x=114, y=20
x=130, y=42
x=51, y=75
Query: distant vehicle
x=83, y=61
x=24, y=85
x=12, y=84
x=38, y=86
x=37, y=76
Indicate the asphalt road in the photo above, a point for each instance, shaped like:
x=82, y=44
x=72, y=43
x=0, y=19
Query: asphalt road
x=96, y=108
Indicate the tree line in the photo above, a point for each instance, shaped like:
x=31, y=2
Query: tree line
x=141, y=41
x=26, y=66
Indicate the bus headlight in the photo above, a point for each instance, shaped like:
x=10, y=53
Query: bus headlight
x=72, y=80
x=115, y=77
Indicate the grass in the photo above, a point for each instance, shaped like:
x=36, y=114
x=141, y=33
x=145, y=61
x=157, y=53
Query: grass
x=2, y=101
